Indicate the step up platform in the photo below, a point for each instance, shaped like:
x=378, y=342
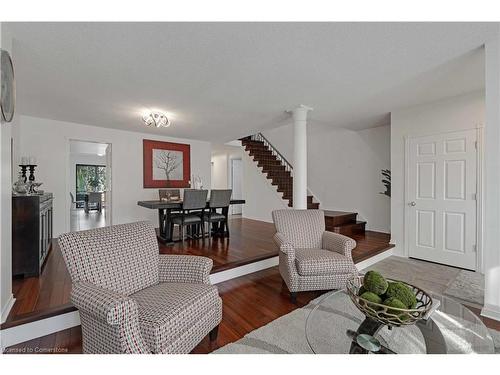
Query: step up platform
x=345, y=223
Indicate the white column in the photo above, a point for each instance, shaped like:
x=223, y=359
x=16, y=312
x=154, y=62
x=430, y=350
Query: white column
x=300, y=156
x=491, y=247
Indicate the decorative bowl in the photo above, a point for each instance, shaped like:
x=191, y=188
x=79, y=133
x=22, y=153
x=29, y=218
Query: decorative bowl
x=388, y=315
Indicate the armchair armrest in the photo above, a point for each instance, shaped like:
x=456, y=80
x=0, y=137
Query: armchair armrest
x=339, y=243
x=103, y=304
x=185, y=269
x=283, y=244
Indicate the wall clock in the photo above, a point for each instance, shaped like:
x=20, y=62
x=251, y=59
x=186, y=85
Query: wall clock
x=8, y=88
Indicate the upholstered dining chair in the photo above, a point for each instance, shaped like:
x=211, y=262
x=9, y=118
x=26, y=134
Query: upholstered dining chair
x=132, y=299
x=219, y=199
x=311, y=258
x=193, y=203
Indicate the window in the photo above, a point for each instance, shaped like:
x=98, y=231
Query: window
x=90, y=178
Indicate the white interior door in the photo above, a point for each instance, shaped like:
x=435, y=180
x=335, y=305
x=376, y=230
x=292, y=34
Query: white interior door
x=441, y=195
x=236, y=177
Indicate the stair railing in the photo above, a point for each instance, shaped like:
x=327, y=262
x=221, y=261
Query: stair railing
x=261, y=138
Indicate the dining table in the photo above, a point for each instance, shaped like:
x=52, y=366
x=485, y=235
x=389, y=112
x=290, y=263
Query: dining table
x=165, y=208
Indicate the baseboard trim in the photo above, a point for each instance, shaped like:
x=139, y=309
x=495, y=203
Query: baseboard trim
x=374, y=259
x=8, y=306
x=491, y=311
x=39, y=328
x=233, y=273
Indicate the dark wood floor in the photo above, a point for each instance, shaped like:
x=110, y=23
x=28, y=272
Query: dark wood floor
x=250, y=241
x=250, y=302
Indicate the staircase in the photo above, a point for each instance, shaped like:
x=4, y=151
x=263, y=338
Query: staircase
x=345, y=223
x=279, y=171
x=275, y=166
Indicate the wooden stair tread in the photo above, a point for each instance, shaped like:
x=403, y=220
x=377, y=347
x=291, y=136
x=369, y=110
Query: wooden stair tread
x=331, y=213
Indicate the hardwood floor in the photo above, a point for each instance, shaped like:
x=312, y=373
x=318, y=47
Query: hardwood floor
x=250, y=302
x=79, y=220
x=250, y=241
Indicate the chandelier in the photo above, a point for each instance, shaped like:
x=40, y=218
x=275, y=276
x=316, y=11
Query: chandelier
x=156, y=119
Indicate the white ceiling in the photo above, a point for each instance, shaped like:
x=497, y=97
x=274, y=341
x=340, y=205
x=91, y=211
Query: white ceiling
x=91, y=148
x=221, y=81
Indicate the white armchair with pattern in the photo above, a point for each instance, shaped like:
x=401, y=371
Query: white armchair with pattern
x=311, y=258
x=131, y=299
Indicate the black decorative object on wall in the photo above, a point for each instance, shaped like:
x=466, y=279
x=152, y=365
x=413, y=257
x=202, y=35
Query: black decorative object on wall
x=386, y=180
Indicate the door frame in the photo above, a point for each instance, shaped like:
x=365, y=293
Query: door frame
x=67, y=206
x=479, y=191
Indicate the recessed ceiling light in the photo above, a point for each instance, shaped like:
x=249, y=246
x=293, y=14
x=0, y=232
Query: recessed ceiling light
x=157, y=119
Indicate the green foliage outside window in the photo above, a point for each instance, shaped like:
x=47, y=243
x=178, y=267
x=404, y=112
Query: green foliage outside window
x=90, y=178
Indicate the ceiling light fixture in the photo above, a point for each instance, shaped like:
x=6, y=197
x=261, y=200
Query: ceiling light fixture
x=157, y=119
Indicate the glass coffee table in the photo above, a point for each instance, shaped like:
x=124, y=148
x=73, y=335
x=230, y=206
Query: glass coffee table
x=335, y=326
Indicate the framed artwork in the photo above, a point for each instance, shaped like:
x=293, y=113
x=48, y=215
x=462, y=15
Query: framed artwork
x=166, y=164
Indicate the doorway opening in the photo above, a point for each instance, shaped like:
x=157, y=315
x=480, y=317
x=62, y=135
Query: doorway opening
x=89, y=185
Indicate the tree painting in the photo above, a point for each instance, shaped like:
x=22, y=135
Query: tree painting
x=168, y=165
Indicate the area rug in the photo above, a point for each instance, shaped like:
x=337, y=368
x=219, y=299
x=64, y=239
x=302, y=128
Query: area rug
x=467, y=287
x=286, y=335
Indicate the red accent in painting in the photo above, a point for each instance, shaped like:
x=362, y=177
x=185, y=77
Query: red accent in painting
x=148, y=146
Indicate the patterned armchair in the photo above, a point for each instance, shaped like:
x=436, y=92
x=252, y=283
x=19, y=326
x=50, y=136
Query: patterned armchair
x=311, y=258
x=132, y=299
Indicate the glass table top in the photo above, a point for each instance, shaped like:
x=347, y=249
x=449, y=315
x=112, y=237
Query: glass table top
x=452, y=328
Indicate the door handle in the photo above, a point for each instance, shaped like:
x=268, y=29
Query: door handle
x=412, y=204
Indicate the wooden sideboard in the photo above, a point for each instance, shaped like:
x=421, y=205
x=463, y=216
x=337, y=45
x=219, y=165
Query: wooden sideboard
x=32, y=225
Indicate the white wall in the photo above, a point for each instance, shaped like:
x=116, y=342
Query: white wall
x=6, y=298
x=344, y=169
x=261, y=197
x=82, y=159
x=220, y=171
x=457, y=113
x=491, y=249
x=48, y=141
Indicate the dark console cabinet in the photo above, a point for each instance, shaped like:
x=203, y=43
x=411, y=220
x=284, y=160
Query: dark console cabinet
x=31, y=233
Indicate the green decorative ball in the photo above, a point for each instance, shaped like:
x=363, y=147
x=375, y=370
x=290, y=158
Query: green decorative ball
x=374, y=282
x=372, y=297
x=394, y=302
x=403, y=293
x=361, y=290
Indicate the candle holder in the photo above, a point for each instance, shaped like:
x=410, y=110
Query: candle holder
x=32, y=172
x=24, y=168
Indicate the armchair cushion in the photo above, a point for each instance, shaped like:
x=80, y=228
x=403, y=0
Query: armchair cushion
x=185, y=269
x=318, y=262
x=103, y=304
x=168, y=310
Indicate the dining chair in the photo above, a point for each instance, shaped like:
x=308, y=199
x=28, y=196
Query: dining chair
x=194, y=200
x=219, y=199
x=96, y=199
x=73, y=201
